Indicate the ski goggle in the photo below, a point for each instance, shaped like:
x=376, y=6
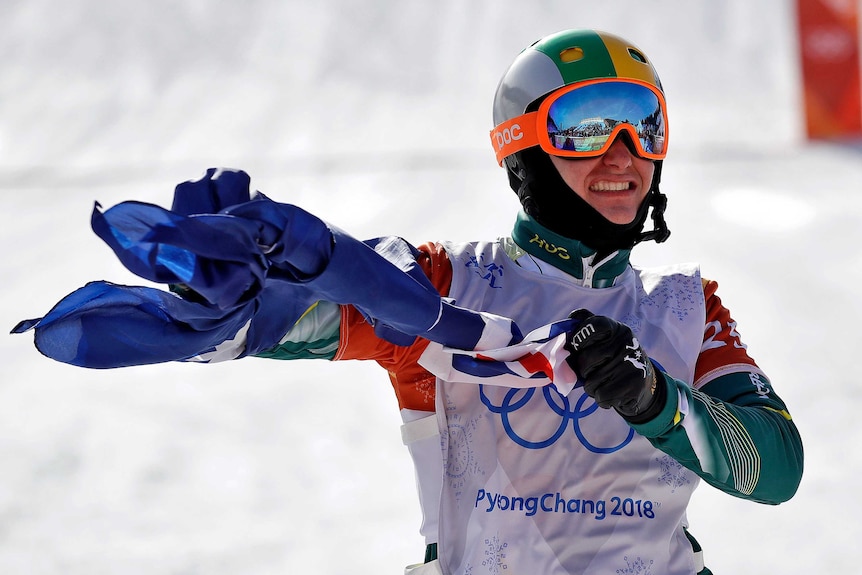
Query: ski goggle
x=583, y=120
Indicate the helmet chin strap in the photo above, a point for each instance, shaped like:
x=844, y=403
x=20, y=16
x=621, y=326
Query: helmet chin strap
x=660, y=232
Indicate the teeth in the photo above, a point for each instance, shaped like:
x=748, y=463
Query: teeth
x=609, y=186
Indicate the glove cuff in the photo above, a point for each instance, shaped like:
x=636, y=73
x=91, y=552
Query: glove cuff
x=659, y=399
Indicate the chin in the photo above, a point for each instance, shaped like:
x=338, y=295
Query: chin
x=620, y=219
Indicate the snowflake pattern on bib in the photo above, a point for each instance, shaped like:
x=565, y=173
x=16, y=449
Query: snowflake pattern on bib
x=636, y=567
x=673, y=473
x=679, y=297
x=496, y=556
x=461, y=461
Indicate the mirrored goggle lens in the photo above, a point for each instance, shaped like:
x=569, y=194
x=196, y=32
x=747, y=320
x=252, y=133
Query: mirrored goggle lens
x=585, y=120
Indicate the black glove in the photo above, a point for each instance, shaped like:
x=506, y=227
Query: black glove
x=614, y=368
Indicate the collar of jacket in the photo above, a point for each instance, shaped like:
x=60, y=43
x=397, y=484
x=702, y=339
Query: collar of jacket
x=568, y=255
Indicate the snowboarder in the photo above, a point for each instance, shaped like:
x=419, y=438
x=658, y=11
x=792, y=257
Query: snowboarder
x=573, y=449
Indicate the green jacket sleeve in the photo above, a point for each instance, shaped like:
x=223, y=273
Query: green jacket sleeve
x=313, y=336
x=735, y=433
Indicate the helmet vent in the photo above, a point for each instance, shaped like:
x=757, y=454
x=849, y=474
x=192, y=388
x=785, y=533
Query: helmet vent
x=637, y=55
x=571, y=54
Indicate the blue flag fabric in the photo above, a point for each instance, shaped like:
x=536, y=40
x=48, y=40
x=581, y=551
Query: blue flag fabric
x=103, y=325
x=246, y=267
x=217, y=256
x=214, y=257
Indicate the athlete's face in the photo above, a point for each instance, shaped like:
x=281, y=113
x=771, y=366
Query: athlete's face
x=615, y=183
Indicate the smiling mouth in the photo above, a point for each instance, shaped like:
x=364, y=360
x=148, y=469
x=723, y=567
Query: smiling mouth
x=610, y=186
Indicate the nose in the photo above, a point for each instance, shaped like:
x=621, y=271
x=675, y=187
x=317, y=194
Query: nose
x=618, y=155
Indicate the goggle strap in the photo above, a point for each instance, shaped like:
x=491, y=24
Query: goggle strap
x=515, y=135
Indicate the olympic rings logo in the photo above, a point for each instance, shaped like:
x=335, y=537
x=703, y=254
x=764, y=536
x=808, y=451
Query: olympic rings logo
x=558, y=405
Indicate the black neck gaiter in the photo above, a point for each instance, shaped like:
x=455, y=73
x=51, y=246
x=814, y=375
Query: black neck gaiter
x=547, y=199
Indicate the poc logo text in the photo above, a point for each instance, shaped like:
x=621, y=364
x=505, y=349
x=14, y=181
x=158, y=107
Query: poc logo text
x=507, y=135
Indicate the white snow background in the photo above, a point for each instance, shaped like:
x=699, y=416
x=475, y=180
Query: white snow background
x=375, y=116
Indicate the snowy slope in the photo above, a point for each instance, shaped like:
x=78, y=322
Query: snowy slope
x=364, y=113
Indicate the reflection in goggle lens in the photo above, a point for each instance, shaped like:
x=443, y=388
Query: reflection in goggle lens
x=583, y=119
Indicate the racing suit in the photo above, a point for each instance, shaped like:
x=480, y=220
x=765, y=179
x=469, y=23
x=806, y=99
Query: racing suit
x=535, y=480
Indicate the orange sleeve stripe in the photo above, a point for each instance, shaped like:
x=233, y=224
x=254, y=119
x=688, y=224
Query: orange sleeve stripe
x=414, y=386
x=722, y=349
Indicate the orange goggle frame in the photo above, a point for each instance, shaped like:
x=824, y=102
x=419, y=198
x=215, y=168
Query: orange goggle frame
x=583, y=120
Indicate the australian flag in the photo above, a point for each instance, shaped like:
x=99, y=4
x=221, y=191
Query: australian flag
x=539, y=359
x=242, y=269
